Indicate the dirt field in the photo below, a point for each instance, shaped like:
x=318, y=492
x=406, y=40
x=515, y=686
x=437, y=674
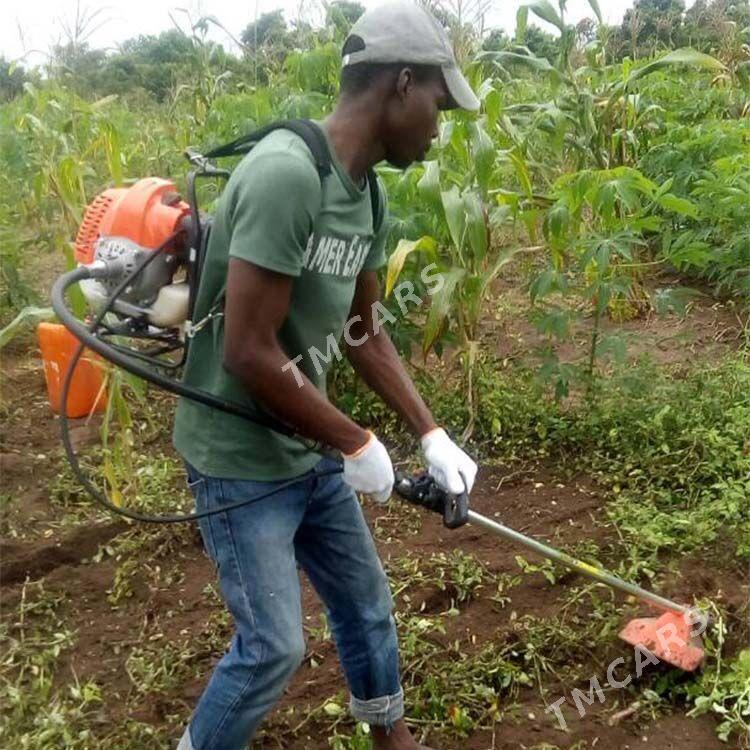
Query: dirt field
x=130, y=627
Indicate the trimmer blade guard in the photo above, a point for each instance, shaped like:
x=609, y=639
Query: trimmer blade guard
x=669, y=638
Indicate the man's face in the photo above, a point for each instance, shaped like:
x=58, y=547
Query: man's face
x=411, y=117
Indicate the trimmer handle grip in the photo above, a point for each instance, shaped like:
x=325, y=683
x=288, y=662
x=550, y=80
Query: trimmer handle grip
x=455, y=510
x=422, y=490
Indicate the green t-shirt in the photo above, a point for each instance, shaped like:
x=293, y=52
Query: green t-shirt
x=276, y=213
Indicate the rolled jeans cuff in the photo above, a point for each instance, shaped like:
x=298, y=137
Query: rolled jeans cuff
x=379, y=712
x=185, y=741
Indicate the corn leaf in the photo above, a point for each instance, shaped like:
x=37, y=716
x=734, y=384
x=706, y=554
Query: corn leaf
x=483, y=153
x=429, y=185
x=398, y=257
x=493, y=105
x=503, y=259
x=685, y=56
x=506, y=58
x=453, y=206
x=522, y=23
x=522, y=172
x=477, y=230
x=114, y=489
x=447, y=128
x=113, y=152
x=546, y=11
x=120, y=409
x=597, y=10
x=76, y=299
x=108, y=414
x=28, y=317
x=104, y=102
x=441, y=305
x=530, y=218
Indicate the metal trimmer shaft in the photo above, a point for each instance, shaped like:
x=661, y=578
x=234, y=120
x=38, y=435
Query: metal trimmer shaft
x=580, y=567
x=422, y=490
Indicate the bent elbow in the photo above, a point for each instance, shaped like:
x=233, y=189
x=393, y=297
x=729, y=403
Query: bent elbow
x=231, y=364
x=236, y=362
x=248, y=364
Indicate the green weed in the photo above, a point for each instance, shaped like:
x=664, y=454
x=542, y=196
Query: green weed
x=35, y=715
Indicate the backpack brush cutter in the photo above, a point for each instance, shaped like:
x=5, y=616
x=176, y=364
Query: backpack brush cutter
x=140, y=250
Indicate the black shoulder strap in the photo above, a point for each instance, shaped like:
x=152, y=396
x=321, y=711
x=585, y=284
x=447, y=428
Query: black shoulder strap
x=375, y=202
x=307, y=130
x=315, y=140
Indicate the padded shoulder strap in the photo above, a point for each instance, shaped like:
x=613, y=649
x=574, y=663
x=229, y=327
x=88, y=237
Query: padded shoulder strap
x=315, y=140
x=375, y=202
x=308, y=131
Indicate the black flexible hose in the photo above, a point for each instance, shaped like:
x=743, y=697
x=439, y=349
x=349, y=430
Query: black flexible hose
x=87, y=338
x=131, y=365
x=104, y=501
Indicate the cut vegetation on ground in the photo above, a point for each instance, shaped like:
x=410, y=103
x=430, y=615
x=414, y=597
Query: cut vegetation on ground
x=591, y=345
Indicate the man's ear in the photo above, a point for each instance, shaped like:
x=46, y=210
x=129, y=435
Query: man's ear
x=404, y=82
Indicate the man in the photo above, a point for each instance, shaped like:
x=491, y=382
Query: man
x=298, y=257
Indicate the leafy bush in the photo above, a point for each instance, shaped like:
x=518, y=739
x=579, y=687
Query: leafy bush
x=709, y=164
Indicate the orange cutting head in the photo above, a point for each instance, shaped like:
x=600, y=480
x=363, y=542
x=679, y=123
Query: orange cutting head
x=670, y=638
x=146, y=213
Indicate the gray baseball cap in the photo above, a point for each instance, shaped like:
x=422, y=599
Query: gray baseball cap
x=403, y=32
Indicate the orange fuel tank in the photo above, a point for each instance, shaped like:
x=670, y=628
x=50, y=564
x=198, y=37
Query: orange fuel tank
x=87, y=393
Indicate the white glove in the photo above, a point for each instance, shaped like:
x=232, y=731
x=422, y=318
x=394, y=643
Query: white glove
x=447, y=464
x=370, y=471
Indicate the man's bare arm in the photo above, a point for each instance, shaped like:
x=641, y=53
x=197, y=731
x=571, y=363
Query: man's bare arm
x=257, y=303
x=377, y=362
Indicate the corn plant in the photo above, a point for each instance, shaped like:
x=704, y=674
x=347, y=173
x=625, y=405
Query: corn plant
x=463, y=237
x=598, y=218
x=204, y=83
x=465, y=20
x=596, y=117
x=15, y=292
x=62, y=150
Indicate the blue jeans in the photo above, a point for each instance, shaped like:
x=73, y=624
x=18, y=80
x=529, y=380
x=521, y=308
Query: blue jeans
x=318, y=524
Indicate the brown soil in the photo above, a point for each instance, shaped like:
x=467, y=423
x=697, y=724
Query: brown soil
x=706, y=331
x=557, y=510
x=36, y=559
x=30, y=449
x=540, y=507
x=666, y=733
x=558, y=515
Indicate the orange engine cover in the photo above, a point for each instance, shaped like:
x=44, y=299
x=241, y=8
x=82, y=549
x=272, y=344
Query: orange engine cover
x=146, y=213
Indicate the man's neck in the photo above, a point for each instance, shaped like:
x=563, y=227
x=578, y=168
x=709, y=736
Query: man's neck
x=354, y=136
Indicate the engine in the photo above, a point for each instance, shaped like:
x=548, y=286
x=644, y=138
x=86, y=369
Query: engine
x=121, y=227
